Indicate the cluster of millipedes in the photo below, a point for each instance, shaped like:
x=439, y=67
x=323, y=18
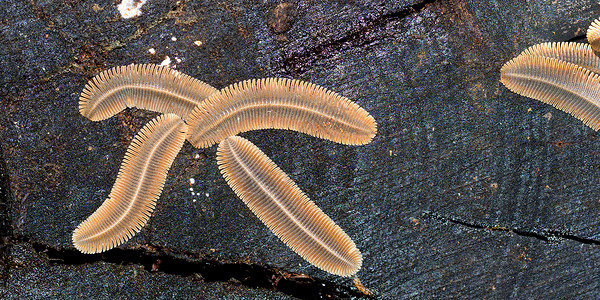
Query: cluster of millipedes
x=203, y=115
x=564, y=75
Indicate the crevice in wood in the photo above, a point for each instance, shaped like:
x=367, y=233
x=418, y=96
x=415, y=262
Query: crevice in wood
x=6, y=230
x=546, y=235
x=203, y=269
x=366, y=32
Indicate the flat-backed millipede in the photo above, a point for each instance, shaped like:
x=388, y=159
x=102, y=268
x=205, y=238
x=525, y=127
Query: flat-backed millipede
x=147, y=86
x=217, y=116
x=278, y=202
x=280, y=103
x=138, y=186
x=561, y=84
x=593, y=35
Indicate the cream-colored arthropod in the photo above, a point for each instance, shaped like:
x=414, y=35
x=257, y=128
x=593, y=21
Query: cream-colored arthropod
x=280, y=103
x=217, y=116
x=278, y=202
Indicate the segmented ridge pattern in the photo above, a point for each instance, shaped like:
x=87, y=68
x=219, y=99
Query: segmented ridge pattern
x=576, y=53
x=593, y=35
x=280, y=103
x=146, y=86
x=139, y=183
x=563, y=85
x=285, y=209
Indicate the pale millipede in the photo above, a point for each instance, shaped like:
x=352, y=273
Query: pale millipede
x=279, y=103
x=139, y=183
x=576, y=53
x=593, y=35
x=146, y=86
x=278, y=202
x=563, y=85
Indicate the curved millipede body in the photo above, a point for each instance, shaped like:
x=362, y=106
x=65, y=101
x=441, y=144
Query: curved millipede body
x=138, y=186
x=593, y=35
x=152, y=87
x=563, y=85
x=576, y=53
x=280, y=103
x=279, y=203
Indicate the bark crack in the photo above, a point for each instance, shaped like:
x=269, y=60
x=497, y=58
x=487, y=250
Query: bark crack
x=546, y=235
x=6, y=230
x=367, y=32
x=202, y=269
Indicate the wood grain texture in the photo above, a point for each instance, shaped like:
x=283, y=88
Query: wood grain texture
x=452, y=142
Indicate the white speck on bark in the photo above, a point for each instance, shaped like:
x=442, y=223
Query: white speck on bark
x=130, y=8
x=166, y=62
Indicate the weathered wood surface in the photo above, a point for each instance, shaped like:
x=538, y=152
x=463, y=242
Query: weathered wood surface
x=468, y=190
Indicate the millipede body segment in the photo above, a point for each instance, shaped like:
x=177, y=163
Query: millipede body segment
x=138, y=186
x=576, y=53
x=563, y=85
x=285, y=209
x=593, y=35
x=147, y=86
x=280, y=103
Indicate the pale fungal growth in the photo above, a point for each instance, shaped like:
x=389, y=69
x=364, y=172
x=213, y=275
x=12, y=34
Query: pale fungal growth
x=130, y=8
x=152, y=87
x=593, y=35
x=288, y=212
x=576, y=53
x=138, y=186
x=561, y=84
x=166, y=61
x=280, y=103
